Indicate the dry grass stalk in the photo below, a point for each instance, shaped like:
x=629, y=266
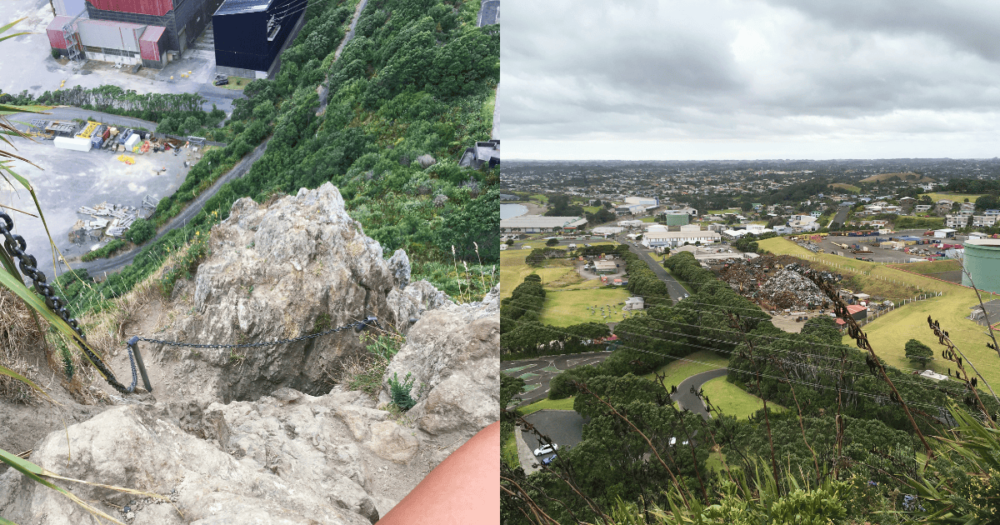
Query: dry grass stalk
x=22, y=346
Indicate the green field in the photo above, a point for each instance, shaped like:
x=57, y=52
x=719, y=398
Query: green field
x=651, y=218
x=540, y=198
x=557, y=275
x=720, y=212
x=547, y=404
x=679, y=370
x=957, y=197
x=846, y=187
x=888, y=334
x=570, y=307
x=733, y=400
x=931, y=267
x=591, y=209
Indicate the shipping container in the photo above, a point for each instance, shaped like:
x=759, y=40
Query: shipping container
x=75, y=144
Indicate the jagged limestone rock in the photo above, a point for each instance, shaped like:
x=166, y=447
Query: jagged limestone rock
x=411, y=303
x=399, y=265
x=130, y=446
x=298, y=266
x=439, y=200
x=453, y=356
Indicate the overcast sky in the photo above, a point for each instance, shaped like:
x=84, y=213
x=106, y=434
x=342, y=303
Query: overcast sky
x=745, y=79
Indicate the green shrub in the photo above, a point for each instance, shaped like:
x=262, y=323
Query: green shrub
x=107, y=250
x=401, y=392
x=141, y=231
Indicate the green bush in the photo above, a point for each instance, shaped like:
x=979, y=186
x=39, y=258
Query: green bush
x=141, y=231
x=105, y=251
x=401, y=392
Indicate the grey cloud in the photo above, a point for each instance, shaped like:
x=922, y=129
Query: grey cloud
x=728, y=70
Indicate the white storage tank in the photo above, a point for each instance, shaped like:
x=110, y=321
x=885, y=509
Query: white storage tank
x=73, y=143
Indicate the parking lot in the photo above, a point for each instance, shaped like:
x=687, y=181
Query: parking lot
x=877, y=254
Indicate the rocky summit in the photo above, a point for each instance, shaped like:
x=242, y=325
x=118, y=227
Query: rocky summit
x=271, y=434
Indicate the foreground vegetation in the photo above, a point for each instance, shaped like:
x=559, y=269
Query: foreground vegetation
x=836, y=443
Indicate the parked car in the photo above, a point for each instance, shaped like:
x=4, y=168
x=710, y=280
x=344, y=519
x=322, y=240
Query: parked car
x=548, y=460
x=546, y=449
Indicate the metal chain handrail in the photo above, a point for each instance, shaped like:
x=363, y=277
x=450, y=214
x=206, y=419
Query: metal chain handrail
x=358, y=326
x=15, y=246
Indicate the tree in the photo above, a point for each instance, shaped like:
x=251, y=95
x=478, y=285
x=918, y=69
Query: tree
x=552, y=242
x=917, y=351
x=510, y=242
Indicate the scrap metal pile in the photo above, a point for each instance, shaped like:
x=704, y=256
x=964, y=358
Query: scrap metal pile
x=766, y=281
x=111, y=220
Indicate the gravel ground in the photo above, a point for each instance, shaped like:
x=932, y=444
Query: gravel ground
x=70, y=179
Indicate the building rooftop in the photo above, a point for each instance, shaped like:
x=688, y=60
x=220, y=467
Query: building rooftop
x=539, y=221
x=235, y=7
x=984, y=242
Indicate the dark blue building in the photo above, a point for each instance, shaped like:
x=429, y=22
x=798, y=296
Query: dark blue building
x=250, y=34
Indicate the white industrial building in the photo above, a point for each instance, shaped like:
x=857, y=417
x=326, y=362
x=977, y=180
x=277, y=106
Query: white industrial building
x=644, y=201
x=630, y=224
x=661, y=239
x=540, y=223
x=687, y=210
x=607, y=230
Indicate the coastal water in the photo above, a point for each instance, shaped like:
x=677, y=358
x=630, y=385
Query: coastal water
x=508, y=211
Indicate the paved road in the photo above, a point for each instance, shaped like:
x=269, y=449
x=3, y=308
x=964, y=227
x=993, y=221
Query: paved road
x=554, y=364
x=841, y=216
x=674, y=288
x=687, y=400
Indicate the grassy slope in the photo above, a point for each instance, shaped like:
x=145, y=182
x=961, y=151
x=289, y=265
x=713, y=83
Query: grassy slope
x=931, y=267
x=957, y=197
x=547, y=404
x=569, y=308
x=733, y=400
x=678, y=371
x=508, y=451
x=889, y=334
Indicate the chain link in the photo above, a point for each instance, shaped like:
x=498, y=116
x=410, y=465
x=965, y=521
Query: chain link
x=371, y=320
x=16, y=246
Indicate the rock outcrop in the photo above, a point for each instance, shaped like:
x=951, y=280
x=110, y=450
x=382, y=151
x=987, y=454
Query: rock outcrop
x=234, y=435
x=453, y=357
x=296, y=267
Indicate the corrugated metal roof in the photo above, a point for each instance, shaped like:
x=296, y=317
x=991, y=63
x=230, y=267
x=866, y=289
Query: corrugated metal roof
x=111, y=23
x=234, y=7
x=153, y=33
x=110, y=35
x=58, y=22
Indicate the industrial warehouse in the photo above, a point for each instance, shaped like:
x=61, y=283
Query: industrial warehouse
x=249, y=34
x=246, y=35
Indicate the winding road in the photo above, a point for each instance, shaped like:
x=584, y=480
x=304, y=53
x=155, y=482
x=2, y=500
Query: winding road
x=688, y=400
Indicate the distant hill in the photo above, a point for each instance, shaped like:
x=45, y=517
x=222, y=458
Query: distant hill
x=908, y=176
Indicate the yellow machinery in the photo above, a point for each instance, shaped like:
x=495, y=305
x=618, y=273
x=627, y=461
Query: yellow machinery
x=89, y=130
